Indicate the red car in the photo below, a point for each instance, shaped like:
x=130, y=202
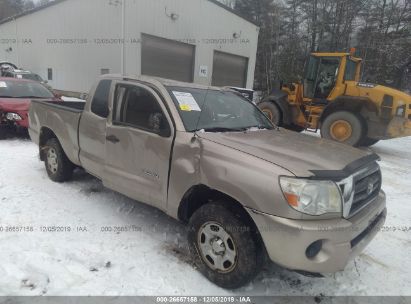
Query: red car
x=15, y=97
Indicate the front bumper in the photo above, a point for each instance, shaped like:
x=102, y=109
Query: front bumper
x=287, y=240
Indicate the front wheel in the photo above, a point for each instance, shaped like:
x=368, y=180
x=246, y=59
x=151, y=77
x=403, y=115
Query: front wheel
x=344, y=127
x=271, y=111
x=59, y=167
x=224, y=247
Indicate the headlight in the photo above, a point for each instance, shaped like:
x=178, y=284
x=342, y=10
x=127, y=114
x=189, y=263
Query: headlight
x=13, y=117
x=311, y=196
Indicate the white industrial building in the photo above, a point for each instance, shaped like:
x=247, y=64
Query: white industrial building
x=71, y=42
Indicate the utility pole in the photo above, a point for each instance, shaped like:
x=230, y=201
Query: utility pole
x=123, y=38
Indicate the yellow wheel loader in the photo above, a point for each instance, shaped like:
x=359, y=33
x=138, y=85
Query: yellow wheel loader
x=332, y=98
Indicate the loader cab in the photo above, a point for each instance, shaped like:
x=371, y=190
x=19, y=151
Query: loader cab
x=326, y=72
x=321, y=76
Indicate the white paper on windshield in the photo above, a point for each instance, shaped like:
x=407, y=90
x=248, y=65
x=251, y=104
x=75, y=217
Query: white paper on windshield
x=20, y=76
x=186, y=101
x=3, y=84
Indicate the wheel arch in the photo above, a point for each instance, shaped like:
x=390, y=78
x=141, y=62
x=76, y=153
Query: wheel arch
x=199, y=195
x=357, y=105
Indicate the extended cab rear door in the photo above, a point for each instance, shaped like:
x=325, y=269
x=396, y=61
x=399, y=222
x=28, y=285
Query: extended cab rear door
x=92, y=129
x=138, y=144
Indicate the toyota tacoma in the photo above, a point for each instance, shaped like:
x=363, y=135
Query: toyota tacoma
x=209, y=158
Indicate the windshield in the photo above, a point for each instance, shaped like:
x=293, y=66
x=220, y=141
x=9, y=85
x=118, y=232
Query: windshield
x=23, y=89
x=34, y=77
x=216, y=111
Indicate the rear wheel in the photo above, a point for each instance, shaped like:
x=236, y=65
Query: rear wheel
x=295, y=128
x=271, y=111
x=344, y=127
x=224, y=247
x=59, y=167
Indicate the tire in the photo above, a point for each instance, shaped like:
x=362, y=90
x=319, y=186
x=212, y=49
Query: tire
x=368, y=142
x=7, y=131
x=295, y=128
x=232, y=268
x=271, y=111
x=344, y=127
x=59, y=167
x=3, y=133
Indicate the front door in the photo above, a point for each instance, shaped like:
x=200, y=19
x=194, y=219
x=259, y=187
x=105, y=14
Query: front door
x=138, y=145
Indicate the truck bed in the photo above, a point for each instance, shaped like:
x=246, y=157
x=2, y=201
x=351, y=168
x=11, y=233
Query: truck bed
x=60, y=118
x=73, y=106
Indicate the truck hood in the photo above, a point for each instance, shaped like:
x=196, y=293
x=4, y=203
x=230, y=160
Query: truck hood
x=298, y=153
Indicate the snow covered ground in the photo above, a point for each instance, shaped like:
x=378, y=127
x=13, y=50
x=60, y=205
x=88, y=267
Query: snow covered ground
x=151, y=259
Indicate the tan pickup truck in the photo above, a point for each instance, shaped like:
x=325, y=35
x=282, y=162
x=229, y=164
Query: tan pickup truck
x=210, y=158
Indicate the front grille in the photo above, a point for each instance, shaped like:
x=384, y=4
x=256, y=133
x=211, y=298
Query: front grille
x=367, y=186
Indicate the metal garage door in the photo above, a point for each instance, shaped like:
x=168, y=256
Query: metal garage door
x=167, y=58
x=229, y=70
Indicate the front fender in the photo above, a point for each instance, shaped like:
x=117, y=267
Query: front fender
x=251, y=181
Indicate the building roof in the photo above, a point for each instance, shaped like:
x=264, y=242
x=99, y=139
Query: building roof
x=28, y=12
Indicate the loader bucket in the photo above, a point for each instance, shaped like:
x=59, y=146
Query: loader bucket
x=399, y=127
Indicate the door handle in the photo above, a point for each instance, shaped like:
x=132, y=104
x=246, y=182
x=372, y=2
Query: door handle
x=112, y=138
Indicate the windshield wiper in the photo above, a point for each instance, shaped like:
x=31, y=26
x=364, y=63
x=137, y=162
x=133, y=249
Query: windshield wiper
x=223, y=129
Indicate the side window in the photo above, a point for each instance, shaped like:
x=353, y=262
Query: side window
x=310, y=78
x=137, y=107
x=350, y=70
x=99, y=104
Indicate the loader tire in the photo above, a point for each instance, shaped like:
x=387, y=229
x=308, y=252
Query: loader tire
x=271, y=111
x=368, y=142
x=344, y=127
